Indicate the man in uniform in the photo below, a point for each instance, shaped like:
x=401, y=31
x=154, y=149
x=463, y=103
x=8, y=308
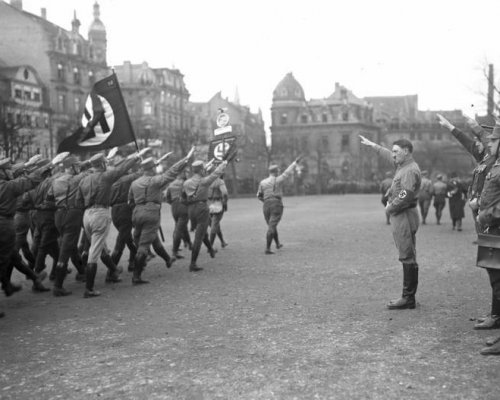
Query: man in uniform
x=145, y=196
x=121, y=215
x=270, y=192
x=401, y=207
x=68, y=221
x=10, y=190
x=94, y=194
x=425, y=196
x=217, y=197
x=196, y=193
x=178, y=207
x=385, y=185
x=489, y=222
x=440, y=190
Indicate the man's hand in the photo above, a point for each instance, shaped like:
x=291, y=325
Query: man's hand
x=33, y=160
x=191, y=153
x=365, y=141
x=444, y=122
x=472, y=122
x=297, y=160
x=112, y=153
x=144, y=151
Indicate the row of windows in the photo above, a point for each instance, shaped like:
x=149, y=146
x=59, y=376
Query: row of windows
x=27, y=94
x=62, y=103
x=76, y=75
x=26, y=120
x=305, y=119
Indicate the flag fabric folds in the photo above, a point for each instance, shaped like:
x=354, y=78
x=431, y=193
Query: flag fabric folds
x=105, y=121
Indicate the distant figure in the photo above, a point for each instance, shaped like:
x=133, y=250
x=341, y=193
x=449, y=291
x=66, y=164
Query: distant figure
x=425, y=195
x=385, y=185
x=439, y=190
x=456, y=193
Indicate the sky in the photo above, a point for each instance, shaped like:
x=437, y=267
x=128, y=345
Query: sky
x=438, y=49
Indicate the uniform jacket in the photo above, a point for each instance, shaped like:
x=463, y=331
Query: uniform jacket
x=426, y=189
x=12, y=189
x=120, y=189
x=405, y=184
x=272, y=186
x=196, y=187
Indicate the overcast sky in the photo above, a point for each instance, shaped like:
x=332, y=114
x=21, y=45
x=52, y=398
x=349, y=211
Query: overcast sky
x=436, y=49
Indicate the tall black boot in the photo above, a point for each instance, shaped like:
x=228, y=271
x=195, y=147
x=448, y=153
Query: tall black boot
x=160, y=250
x=212, y=239
x=90, y=271
x=277, y=241
x=221, y=238
x=37, y=279
x=410, y=283
x=269, y=241
x=113, y=274
x=8, y=287
x=115, y=256
x=60, y=272
x=139, y=262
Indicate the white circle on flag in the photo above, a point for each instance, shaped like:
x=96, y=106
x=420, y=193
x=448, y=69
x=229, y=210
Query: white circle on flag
x=109, y=115
x=220, y=150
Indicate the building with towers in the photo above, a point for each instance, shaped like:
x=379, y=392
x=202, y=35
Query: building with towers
x=66, y=62
x=325, y=131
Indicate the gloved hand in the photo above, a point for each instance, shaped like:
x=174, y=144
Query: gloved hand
x=33, y=160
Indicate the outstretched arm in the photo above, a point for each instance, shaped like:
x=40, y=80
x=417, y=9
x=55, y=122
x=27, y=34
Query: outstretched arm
x=468, y=143
x=384, y=153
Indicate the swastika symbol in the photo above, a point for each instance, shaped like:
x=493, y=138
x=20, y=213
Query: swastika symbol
x=220, y=150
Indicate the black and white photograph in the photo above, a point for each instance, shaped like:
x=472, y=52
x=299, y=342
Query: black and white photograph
x=255, y=200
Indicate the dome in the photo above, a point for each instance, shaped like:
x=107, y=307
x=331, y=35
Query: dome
x=97, y=25
x=288, y=89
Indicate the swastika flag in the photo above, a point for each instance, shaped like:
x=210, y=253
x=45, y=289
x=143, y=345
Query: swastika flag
x=105, y=121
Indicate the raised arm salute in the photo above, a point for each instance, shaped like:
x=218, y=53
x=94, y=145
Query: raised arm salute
x=401, y=206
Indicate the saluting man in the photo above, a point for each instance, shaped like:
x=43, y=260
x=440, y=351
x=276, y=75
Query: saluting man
x=401, y=206
x=178, y=208
x=68, y=220
x=217, y=197
x=94, y=194
x=271, y=194
x=196, y=193
x=145, y=196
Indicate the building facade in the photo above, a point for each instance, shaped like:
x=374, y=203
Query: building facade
x=325, y=132
x=24, y=118
x=66, y=63
x=156, y=99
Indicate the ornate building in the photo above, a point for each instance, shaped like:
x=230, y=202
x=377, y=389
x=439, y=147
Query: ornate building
x=67, y=64
x=325, y=131
x=156, y=99
x=24, y=118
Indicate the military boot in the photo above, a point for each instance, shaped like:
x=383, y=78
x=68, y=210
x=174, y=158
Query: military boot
x=91, y=271
x=140, y=260
x=493, y=350
x=160, y=250
x=58, y=290
x=113, y=274
x=410, y=283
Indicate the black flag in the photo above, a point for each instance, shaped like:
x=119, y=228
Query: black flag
x=105, y=121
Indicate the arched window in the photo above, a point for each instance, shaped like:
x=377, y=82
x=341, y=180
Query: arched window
x=76, y=76
x=60, y=72
x=148, y=108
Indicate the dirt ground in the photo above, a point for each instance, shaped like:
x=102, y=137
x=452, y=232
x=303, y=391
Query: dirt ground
x=306, y=323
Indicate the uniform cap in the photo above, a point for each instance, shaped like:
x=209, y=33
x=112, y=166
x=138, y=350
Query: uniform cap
x=388, y=174
x=439, y=176
x=424, y=172
x=495, y=134
x=69, y=161
x=273, y=168
x=148, y=163
x=197, y=163
x=97, y=159
x=5, y=163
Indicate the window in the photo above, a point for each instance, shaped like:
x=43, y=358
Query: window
x=324, y=117
x=19, y=120
x=303, y=119
x=10, y=118
x=28, y=120
x=36, y=96
x=283, y=119
x=77, y=104
x=27, y=95
x=324, y=143
x=91, y=77
x=412, y=135
x=345, y=144
x=18, y=93
x=61, y=102
x=345, y=115
x=148, y=108
x=284, y=92
x=60, y=72
x=76, y=76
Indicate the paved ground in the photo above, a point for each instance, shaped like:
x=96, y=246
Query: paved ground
x=307, y=323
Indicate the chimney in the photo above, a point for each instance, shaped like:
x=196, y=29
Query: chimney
x=43, y=12
x=490, y=91
x=17, y=3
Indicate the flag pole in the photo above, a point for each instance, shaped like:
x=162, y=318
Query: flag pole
x=126, y=110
